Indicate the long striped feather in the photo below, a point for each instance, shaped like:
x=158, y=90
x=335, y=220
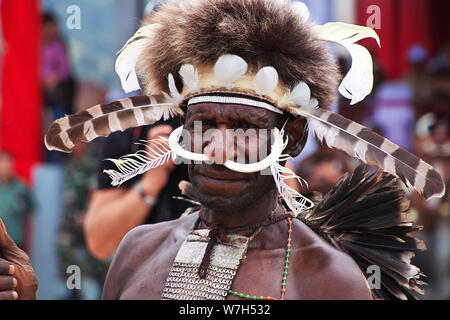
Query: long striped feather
x=358, y=141
x=104, y=119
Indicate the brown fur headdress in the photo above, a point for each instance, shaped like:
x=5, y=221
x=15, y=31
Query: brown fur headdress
x=262, y=32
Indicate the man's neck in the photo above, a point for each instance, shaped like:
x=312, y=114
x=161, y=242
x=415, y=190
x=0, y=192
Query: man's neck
x=254, y=213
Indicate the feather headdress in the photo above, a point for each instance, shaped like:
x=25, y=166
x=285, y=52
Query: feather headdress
x=266, y=52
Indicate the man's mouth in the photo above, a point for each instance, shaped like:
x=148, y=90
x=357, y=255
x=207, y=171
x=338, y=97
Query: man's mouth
x=218, y=172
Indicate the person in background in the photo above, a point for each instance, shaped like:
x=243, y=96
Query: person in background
x=322, y=170
x=58, y=84
x=148, y=198
x=398, y=103
x=15, y=200
x=433, y=144
x=79, y=184
x=394, y=113
x=418, y=78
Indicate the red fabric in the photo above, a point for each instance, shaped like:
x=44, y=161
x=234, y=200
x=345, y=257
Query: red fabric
x=386, y=55
x=20, y=113
x=404, y=23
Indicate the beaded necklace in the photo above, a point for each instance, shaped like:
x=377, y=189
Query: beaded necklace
x=286, y=267
x=198, y=272
x=219, y=232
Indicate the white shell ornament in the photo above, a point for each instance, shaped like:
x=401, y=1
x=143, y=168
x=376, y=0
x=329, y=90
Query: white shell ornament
x=266, y=80
x=229, y=68
x=190, y=76
x=301, y=94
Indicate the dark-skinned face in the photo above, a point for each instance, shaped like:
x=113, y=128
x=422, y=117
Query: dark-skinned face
x=217, y=187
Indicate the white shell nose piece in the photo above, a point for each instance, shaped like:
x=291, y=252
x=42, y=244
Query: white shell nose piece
x=276, y=150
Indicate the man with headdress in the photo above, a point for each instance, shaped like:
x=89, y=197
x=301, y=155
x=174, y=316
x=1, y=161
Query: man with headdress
x=255, y=64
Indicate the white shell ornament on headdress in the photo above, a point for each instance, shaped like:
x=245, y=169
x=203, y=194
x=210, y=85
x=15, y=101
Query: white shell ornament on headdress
x=229, y=68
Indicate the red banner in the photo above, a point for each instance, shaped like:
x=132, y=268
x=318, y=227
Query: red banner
x=403, y=23
x=20, y=109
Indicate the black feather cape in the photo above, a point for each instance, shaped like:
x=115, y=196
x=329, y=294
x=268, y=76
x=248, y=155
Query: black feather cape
x=365, y=215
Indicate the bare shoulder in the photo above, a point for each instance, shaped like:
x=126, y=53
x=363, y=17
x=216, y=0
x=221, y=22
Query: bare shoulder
x=336, y=275
x=152, y=242
x=146, y=238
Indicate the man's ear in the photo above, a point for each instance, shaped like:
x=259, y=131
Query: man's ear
x=296, y=129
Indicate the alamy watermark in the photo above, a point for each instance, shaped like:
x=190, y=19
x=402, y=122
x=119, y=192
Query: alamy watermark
x=73, y=21
x=74, y=279
x=374, y=20
x=374, y=278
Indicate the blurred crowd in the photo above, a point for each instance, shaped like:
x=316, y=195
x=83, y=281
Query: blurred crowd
x=412, y=112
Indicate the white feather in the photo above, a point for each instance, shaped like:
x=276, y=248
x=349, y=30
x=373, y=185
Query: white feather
x=358, y=82
x=229, y=68
x=266, y=80
x=301, y=9
x=129, y=54
x=164, y=112
x=301, y=94
x=190, y=76
x=311, y=104
x=298, y=203
x=319, y=129
x=156, y=154
x=175, y=97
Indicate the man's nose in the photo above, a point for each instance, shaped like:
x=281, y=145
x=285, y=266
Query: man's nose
x=221, y=146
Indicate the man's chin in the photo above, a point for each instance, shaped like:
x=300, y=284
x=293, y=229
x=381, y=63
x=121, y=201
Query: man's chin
x=223, y=204
x=220, y=187
x=222, y=195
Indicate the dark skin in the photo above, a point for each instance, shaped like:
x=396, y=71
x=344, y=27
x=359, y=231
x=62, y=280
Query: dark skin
x=316, y=271
x=17, y=277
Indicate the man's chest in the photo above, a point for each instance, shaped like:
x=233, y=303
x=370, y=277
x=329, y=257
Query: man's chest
x=260, y=273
